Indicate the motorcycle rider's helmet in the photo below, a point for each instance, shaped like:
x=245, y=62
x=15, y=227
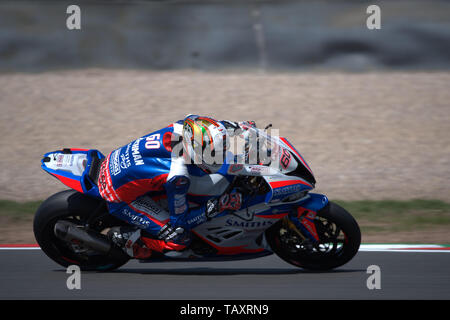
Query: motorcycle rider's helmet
x=204, y=142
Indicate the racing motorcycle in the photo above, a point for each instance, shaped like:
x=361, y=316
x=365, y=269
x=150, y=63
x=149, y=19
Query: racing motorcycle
x=279, y=214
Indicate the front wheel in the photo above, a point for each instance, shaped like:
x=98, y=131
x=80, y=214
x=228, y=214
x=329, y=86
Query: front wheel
x=339, y=234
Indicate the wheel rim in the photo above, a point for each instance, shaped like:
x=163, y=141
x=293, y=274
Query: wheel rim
x=332, y=240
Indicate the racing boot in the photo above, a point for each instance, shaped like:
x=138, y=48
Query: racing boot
x=175, y=241
x=129, y=240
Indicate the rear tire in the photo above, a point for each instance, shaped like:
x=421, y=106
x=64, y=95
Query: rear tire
x=340, y=238
x=75, y=207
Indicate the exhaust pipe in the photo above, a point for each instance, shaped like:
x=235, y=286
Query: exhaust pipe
x=69, y=232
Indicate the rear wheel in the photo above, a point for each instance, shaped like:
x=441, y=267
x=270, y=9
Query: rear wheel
x=339, y=234
x=74, y=207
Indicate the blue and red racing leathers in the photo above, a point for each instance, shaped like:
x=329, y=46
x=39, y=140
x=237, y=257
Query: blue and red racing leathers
x=144, y=167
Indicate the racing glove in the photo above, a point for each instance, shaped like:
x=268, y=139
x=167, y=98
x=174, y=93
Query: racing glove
x=234, y=128
x=228, y=201
x=247, y=124
x=171, y=234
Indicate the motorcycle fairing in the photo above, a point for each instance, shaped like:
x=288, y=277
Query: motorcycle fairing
x=236, y=234
x=74, y=168
x=288, y=145
x=286, y=188
x=242, y=232
x=278, y=154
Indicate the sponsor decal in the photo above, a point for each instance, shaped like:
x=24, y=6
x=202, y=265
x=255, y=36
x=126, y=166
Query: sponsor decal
x=64, y=160
x=137, y=157
x=136, y=219
x=309, y=225
x=259, y=170
x=152, y=142
x=106, y=188
x=147, y=205
x=234, y=168
x=197, y=220
x=125, y=161
x=307, y=220
x=255, y=169
x=287, y=190
x=115, y=163
x=285, y=159
x=249, y=224
x=102, y=180
x=311, y=215
x=59, y=160
x=180, y=203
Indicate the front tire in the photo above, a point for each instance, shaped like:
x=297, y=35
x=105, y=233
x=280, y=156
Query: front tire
x=75, y=207
x=340, y=238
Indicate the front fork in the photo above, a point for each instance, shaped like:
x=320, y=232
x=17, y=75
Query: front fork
x=302, y=215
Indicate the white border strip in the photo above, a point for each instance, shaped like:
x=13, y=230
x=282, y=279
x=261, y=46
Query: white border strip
x=404, y=248
x=363, y=248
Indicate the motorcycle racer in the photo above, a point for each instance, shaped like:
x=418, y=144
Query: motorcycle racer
x=179, y=196
x=162, y=163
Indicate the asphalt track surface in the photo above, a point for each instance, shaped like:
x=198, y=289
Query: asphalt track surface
x=29, y=274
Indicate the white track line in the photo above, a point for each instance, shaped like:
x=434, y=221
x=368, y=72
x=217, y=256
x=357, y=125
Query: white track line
x=16, y=247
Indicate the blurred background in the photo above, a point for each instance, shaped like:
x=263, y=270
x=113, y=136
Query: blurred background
x=368, y=109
